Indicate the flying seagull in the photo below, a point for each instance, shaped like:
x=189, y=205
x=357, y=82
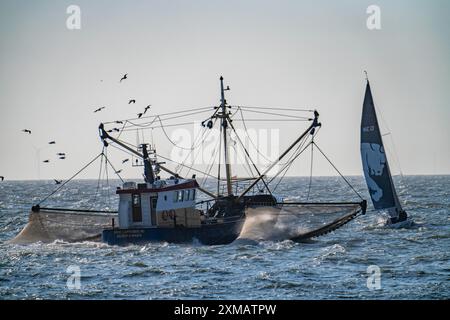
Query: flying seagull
x=46, y=161
x=62, y=157
x=118, y=171
x=99, y=109
x=26, y=131
x=119, y=122
x=61, y=154
x=139, y=115
x=125, y=160
x=52, y=142
x=124, y=77
x=2, y=178
x=57, y=181
x=146, y=108
x=131, y=101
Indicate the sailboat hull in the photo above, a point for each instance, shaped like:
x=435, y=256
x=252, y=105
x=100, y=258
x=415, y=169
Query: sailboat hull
x=207, y=234
x=408, y=223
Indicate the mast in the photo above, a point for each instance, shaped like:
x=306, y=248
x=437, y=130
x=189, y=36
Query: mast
x=224, y=116
x=104, y=135
x=148, y=169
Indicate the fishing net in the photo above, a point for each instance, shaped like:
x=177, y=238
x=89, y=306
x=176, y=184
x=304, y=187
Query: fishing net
x=47, y=226
x=293, y=221
x=297, y=221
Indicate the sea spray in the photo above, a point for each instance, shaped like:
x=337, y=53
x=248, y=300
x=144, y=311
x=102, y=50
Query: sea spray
x=269, y=224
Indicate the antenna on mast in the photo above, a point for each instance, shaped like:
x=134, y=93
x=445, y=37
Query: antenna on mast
x=367, y=77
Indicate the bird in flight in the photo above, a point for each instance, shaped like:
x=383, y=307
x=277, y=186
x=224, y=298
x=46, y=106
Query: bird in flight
x=52, y=142
x=125, y=160
x=146, y=108
x=2, y=178
x=46, y=161
x=119, y=122
x=61, y=154
x=26, y=131
x=99, y=109
x=124, y=77
x=139, y=115
x=62, y=157
x=131, y=101
x=118, y=171
x=57, y=181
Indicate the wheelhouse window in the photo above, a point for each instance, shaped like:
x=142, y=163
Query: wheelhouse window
x=180, y=195
x=175, y=196
x=187, y=195
x=193, y=194
x=136, y=200
x=136, y=210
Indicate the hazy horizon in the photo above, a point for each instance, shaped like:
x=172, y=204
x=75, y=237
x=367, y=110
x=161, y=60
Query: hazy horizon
x=281, y=54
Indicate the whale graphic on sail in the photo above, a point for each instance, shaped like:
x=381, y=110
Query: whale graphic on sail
x=375, y=163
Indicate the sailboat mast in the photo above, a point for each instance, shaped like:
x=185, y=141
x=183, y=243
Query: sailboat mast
x=224, y=117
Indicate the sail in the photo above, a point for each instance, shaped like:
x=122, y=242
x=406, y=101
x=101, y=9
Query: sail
x=374, y=160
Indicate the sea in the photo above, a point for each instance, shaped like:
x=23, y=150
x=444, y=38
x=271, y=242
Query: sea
x=362, y=260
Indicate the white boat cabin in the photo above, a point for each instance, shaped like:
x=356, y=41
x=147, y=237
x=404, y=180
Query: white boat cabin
x=165, y=203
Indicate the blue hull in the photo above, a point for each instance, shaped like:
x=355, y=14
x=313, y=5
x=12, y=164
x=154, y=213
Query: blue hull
x=208, y=234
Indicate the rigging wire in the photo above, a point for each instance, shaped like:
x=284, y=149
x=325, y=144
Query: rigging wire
x=280, y=115
x=107, y=193
x=60, y=187
x=129, y=129
x=299, y=150
x=115, y=171
x=275, y=108
x=288, y=165
x=156, y=117
x=163, y=114
x=206, y=132
x=98, y=180
x=248, y=136
x=380, y=113
x=212, y=160
x=285, y=166
x=311, y=169
x=170, y=140
x=193, y=169
x=345, y=179
x=272, y=120
x=218, y=165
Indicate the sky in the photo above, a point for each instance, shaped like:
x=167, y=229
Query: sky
x=271, y=53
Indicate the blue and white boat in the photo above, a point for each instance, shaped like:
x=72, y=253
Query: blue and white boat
x=376, y=167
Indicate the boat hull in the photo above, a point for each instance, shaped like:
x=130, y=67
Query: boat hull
x=207, y=234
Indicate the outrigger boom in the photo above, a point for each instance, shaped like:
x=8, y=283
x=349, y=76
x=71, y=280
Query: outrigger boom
x=104, y=135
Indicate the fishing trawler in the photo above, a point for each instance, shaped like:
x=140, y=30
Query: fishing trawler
x=376, y=167
x=169, y=209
